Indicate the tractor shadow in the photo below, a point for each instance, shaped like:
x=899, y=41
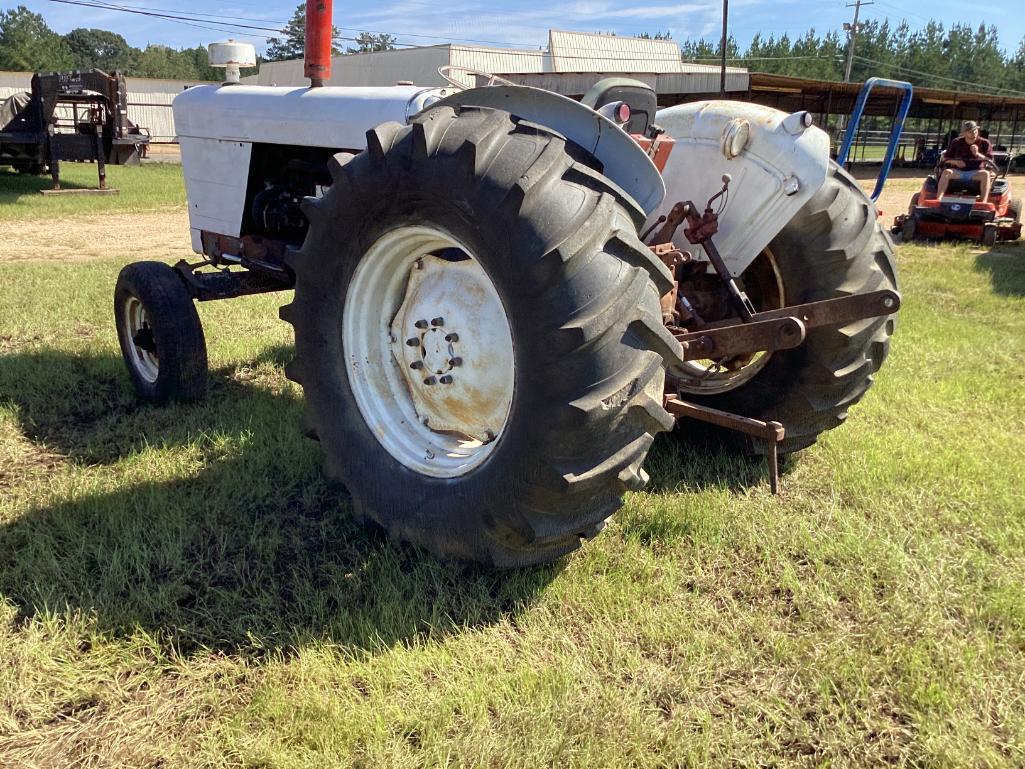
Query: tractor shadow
x=14, y=185
x=697, y=457
x=222, y=533
x=1005, y=265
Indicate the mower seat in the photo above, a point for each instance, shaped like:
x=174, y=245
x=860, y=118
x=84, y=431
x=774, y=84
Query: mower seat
x=971, y=187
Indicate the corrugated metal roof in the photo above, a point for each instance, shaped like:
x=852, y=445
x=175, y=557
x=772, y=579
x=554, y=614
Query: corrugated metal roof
x=498, y=60
x=585, y=52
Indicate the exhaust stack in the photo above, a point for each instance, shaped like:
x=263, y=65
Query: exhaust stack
x=318, y=42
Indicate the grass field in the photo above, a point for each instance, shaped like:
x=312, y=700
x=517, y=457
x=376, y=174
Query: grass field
x=180, y=587
x=141, y=188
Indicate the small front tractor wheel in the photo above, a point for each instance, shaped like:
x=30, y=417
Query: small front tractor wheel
x=833, y=247
x=989, y=234
x=478, y=336
x=160, y=334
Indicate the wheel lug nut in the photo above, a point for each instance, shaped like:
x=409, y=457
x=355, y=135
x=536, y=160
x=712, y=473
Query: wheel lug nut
x=430, y=380
x=421, y=324
x=455, y=362
x=416, y=364
x=446, y=379
x=413, y=342
x=437, y=321
x=451, y=337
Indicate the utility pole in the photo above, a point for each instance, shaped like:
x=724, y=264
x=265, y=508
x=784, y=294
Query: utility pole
x=852, y=31
x=722, y=49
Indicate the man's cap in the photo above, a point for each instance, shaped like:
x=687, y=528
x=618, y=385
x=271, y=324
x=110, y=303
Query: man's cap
x=969, y=125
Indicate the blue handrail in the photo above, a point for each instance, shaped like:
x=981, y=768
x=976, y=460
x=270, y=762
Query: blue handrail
x=898, y=126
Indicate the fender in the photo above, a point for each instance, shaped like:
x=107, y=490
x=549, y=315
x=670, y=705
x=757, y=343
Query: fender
x=624, y=162
x=783, y=162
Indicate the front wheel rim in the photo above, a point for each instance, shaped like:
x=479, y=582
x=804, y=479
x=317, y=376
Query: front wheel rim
x=141, y=345
x=428, y=351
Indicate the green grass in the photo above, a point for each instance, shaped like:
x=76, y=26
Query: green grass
x=180, y=587
x=142, y=188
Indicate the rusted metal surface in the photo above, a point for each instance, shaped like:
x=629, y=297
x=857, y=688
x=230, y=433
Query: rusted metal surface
x=770, y=432
x=741, y=338
x=205, y=286
x=827, y=312
x=671, y=257
x=455, y=357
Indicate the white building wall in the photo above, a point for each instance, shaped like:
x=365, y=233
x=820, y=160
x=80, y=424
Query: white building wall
x=571, y=64
x=379, y=68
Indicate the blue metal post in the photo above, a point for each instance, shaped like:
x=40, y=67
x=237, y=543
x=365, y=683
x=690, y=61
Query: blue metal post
x=898, y=126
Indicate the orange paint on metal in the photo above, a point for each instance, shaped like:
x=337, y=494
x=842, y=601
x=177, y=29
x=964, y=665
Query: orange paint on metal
x=658, y=149
x=318, y=41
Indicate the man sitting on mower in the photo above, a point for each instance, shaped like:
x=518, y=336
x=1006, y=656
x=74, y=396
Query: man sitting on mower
x=964, y=159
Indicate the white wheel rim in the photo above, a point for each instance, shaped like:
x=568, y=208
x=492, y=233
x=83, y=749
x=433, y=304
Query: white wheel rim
x=428, y=351
x=136, y=320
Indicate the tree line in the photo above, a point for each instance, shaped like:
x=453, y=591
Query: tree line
x=958, y=57
x=27, y=44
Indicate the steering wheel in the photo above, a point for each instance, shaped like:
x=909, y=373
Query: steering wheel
x=447, y=70
x=989, y=165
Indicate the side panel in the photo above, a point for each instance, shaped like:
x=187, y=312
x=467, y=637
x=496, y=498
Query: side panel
x=216, y=175
x=777, y=172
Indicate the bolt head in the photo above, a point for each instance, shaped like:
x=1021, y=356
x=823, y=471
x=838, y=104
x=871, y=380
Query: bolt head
x=421, y=324
x=437, y=321
x=446, y=379
x=430, y=380
x=457, y=361
x=413, y=342
x=452, y=337
x=417, y=364
x=888, y=302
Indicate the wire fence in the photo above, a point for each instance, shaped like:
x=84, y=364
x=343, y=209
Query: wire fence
x=915, y=147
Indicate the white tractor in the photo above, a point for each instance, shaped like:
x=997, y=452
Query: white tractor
x=499, y=298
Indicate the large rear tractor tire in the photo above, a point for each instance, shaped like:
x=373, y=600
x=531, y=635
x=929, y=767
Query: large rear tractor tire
x=833, y=247
x=160, y=334
x=478, y=336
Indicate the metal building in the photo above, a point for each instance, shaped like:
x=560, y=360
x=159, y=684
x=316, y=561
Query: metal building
x=570, y=65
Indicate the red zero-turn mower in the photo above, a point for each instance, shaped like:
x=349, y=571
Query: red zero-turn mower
x=960, y=213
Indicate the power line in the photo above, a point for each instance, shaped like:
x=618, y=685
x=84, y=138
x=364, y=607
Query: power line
x=940, y=77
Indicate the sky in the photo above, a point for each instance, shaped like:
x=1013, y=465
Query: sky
x=521, y=23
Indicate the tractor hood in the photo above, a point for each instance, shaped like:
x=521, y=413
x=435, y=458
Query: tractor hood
x=310, y=117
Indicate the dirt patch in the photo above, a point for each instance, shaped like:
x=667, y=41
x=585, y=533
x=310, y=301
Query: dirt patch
x=144, y=235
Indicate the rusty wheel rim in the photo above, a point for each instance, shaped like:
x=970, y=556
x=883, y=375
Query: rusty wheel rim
x=764, y=286
x=429, y=351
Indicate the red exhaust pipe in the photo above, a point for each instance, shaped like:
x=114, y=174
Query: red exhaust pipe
x=318, y=41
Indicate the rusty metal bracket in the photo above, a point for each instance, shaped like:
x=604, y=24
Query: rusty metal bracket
x=770, y=432
x=742, y=338
x=827, y=312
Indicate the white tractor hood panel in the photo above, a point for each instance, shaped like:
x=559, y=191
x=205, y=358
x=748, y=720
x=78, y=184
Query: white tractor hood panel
x=336, y=117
